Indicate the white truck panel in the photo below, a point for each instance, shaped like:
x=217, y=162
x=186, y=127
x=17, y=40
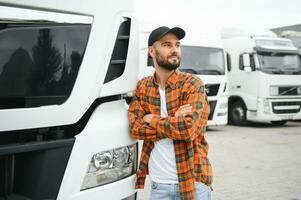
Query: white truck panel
x=105, y=19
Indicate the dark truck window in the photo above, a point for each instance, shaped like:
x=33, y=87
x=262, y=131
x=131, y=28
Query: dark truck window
x=39, y=63
x=202, y=60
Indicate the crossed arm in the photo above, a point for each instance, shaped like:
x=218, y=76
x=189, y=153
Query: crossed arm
x=186, y=124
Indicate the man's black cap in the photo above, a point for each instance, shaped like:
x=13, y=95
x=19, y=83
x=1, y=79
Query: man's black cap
x=161, y=31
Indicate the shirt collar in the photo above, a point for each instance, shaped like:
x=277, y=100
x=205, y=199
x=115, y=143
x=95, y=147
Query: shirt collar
x=172, y=80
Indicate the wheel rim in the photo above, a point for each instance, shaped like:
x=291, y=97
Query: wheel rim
x=238, y=114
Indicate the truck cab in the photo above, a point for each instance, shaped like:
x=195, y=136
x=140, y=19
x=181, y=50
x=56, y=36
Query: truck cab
x=264, y=83
x=65, y=70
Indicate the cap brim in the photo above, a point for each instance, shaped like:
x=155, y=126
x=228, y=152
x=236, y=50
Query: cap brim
x=180, y=33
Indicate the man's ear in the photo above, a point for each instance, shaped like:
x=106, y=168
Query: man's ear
x=151, y=51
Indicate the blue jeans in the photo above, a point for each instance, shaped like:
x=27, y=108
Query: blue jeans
x=162, y=191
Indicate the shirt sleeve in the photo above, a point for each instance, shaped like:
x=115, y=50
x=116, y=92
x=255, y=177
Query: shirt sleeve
x=138, y=128
x=189, y=127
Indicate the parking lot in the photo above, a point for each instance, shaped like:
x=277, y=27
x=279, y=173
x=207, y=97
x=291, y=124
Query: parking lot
x=256, y=162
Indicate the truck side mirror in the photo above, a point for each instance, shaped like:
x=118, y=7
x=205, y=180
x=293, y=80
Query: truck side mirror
x=247, y=62
x=228, y=62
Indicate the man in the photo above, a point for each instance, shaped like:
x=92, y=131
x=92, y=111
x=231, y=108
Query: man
x=169, y=112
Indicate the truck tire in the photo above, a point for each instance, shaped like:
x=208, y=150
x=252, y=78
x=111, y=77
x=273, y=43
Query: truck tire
x=278, y=123
x=238, y=114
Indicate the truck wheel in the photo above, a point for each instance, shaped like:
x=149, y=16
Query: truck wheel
x=278, y=123
x=238, y=114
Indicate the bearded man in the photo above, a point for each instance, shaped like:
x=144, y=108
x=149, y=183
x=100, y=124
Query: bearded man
x=169, y=111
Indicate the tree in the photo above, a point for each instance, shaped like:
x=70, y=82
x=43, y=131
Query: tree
x=47, y=63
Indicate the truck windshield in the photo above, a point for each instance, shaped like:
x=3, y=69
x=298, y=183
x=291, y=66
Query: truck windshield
x=202, y=60
x=39, y=62
x=279, y=63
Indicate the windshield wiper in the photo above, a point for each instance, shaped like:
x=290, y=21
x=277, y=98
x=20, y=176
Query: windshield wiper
x=277, y=71
x=211, y=72
x=291, y=69
x=189, y=70
x=274, y=70
x=202, y=71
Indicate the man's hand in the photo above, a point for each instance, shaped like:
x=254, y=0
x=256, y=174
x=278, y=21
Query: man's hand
x=147, y=118
x=184, y=110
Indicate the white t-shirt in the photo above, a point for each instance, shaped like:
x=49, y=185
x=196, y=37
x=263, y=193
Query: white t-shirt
x=162, y=162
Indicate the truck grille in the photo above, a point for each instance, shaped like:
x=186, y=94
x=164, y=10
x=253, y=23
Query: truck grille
x=288, y=90
x=286, y=107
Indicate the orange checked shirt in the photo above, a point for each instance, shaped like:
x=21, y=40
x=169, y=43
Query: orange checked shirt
x=186, y=132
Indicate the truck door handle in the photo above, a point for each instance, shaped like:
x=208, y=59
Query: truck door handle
x=238, y=86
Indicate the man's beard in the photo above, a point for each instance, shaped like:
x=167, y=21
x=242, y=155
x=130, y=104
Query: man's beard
x=164, y=62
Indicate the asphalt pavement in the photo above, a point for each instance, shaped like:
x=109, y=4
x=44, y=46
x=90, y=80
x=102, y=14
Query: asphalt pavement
x=256, y=162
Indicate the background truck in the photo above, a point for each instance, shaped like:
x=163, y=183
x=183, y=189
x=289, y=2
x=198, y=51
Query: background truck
x=264, y=83
x=202, y=55
x=65, y=68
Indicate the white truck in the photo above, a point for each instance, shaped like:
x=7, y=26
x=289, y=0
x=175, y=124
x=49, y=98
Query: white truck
x=265, y=77
x=65, y=68
x=204, y=56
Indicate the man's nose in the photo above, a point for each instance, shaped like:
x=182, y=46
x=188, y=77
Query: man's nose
x=175, y=49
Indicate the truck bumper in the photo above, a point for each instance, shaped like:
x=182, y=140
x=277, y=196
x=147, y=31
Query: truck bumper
x=276, y=110
x=114, y=191
x=218, y=112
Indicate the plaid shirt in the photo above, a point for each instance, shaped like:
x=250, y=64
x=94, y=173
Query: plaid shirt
x=186, y=132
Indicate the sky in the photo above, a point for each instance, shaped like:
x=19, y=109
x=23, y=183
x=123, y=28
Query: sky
x=257, y=14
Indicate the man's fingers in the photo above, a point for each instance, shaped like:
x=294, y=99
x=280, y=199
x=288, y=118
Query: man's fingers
x=186, y=112
x=186, y=109
x=186, y=105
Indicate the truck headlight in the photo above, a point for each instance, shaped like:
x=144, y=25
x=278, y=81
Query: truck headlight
x=299, y=90
x=274, y=91
x=109, y=166
x=266, y=106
